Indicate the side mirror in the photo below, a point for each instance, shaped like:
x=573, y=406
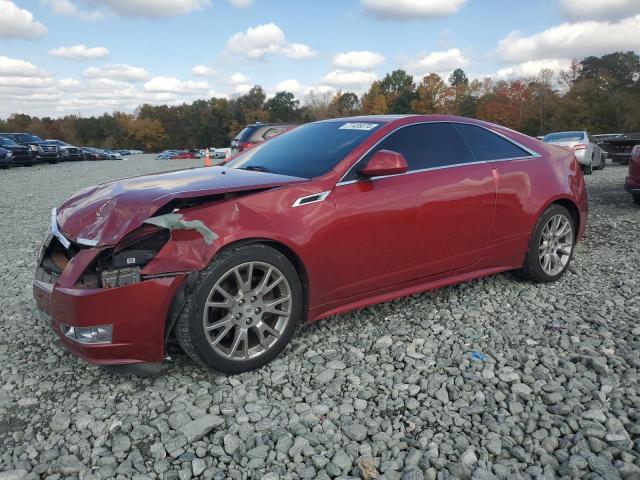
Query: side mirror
x=385, y=162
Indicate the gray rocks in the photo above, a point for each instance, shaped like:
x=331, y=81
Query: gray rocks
x=494, y=378
x=355, y=432
x=198, y=428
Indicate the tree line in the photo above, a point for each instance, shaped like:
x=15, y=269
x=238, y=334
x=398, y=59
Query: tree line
x=598, y=94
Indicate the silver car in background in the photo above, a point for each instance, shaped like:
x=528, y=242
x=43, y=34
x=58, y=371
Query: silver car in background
x=587, y=152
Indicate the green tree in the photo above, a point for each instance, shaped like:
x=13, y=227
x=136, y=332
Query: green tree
x=283, y=107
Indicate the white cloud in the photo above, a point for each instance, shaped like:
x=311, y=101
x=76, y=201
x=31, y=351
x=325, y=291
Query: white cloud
x=69, y=9
x=241, y=3
x=153, y=8
x=599, y=9
x=532, y=68
x=298, y=51
x=572, y=40
x=117, y=72
x=353, y=80
x=292, y=85
x=16, y=22
x=79, y=52
x=411, y=9
x=13, y=67
x=203, y=71
x=358, y=60
x=242, y=88
x=174, y=85
x=437, y=62
x=257, y=42
x=237, y=78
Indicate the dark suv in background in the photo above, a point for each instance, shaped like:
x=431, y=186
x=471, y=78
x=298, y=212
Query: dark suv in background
x=42, y=151
x=68, y=153
x=21, y=155
x=255, y=134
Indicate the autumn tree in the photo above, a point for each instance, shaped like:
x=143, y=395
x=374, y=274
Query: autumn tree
x=344, y=104
x=430, y=96
x=374, y=102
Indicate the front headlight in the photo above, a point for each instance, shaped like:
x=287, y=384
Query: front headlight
x=9, y=154
x=33, y=148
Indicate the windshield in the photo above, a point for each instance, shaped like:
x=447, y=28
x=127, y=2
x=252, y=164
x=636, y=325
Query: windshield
x=307, y=151
x=564, y=137
x=7, y=142
x=27, y=137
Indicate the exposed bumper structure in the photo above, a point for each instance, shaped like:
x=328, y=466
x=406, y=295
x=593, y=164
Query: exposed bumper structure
x=108, y=326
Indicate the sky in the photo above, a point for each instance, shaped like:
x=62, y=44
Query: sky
x=86, y=57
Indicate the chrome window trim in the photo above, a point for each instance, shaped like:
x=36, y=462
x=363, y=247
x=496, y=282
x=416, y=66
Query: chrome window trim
x=533, y=154
x=56, y=231
x=321, y=198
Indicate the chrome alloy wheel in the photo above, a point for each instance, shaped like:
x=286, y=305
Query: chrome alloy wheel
x=556, y=245
x=247, y=311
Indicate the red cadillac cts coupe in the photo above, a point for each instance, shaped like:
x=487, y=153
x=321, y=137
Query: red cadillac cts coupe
x=329, y=217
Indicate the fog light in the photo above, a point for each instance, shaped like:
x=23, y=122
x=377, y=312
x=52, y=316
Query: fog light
x=97, y=334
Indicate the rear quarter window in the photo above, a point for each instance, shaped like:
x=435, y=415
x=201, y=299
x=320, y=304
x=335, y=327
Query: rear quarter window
x=487, y=146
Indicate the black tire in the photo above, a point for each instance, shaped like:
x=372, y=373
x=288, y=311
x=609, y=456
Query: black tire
x=190, y=330
x=587, y=169
x=532, y=268
x=636, y=198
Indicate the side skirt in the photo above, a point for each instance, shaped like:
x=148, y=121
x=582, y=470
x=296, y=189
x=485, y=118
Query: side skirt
x=371, y=299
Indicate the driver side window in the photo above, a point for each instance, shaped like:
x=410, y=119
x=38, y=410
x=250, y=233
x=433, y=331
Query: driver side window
x=426, y=145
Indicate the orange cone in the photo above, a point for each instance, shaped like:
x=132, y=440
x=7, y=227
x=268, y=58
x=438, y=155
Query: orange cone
x=207, y=158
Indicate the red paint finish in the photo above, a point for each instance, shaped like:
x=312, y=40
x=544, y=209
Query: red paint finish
x=369, y=241
x=385, y=162
x=632, y=182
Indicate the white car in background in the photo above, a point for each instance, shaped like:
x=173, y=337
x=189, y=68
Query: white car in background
x=587, y=152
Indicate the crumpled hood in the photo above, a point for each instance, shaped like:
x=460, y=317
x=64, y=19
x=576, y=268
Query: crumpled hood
x=107, y=212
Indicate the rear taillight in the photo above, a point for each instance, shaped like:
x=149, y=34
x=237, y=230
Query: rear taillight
x=242, y=146
x=580, y=146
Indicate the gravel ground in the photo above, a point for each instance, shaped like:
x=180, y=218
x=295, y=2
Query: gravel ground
x=495, y=378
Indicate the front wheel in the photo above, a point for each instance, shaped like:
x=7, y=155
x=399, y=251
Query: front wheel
x=551, y=246
x=243, y=311
x=636, y=198
x=587, y=169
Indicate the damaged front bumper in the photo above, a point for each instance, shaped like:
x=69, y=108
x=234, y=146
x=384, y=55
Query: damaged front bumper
x=108, y=326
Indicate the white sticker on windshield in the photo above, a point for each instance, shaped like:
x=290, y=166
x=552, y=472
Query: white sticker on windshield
x=358, y=126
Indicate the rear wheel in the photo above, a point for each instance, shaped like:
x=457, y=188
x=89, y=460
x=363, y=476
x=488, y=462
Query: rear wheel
x=551, y=246
x=244, y=310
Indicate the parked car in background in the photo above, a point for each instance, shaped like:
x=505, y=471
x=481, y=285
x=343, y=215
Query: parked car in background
x=618, y=146
x=589, y=154
x=232, y=259
x=21, y=155
x=632, y=182
x=91, y=153
x=221, y=153
x=68, y=152
x=165, y=155
x=6, y=158
x=41, y=150
x=113, y=155
x=257, y=133
x=182, y=155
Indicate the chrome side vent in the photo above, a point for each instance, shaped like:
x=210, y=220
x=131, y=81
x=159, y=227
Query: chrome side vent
x=315, y=198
